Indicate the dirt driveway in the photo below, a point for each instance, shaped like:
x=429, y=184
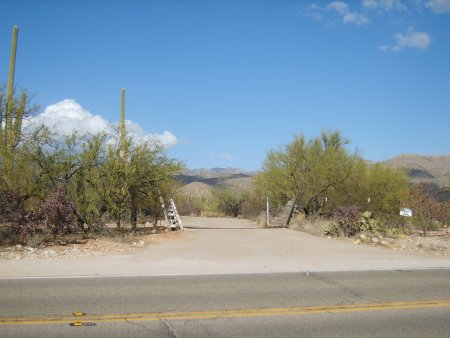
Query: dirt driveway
x=229, y=246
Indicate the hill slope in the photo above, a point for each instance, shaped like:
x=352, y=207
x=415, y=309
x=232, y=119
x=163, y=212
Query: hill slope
x=199, y=182
x=424, y=169
x=434, y=171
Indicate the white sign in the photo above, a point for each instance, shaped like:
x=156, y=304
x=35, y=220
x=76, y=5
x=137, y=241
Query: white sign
x=406, y=212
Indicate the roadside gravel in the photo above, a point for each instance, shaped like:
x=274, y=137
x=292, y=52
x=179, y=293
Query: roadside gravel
x=90, y=247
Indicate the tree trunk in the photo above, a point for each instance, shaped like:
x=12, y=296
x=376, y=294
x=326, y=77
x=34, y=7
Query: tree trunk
x=425, y=228
x=133, y=211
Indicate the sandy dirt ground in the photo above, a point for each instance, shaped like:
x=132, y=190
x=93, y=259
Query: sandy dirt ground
x=211, y=246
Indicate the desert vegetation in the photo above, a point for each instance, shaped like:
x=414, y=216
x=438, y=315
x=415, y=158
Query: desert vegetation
x=52, y=186
x=353, y=196
x=77, y=184
x=222, y=201
x=327, y=182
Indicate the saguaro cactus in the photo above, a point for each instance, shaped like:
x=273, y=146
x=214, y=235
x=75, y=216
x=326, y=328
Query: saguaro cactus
x=10, y=90
x=123, y=131
x=122, y=115
x=1, y=118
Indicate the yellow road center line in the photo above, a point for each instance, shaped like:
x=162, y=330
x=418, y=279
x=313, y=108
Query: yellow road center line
x=265, y=312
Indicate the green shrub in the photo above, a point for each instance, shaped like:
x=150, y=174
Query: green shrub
x=347, y=222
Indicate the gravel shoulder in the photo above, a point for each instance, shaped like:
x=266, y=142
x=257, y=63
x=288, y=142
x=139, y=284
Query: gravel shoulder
x=214, y=246
x=436, y=243
x=101, y=246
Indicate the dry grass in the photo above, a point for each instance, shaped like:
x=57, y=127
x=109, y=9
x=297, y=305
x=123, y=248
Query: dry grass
x=314, y=227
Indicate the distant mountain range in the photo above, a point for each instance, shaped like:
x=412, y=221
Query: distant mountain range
x=427, y=169
x=213, y=172
x=434, y=171
x=199, y=182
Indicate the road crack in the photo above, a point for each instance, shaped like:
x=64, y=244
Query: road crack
x=169, y=328
x=354, y=296
x=141, y=325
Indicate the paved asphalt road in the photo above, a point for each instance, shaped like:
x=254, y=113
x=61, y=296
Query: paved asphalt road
x=412, y=303
x=227, y=278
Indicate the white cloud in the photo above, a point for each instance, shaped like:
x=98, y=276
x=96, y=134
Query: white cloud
x=355, y=18
x=439, y=6
x=384, y=5
x=66, y=116
x=339, y=6
x=412, y=39
x=420, y=40
x=314, y=7
x=314, y=12
x=347, y=15
x=139, y=135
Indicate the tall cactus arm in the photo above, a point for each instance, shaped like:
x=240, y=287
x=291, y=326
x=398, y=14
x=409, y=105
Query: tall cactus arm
x=1, y=118
x=10, y=87
x=122, y=117
x=123, y=132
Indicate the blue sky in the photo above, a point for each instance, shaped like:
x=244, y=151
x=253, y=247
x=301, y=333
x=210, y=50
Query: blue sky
x=222, y=82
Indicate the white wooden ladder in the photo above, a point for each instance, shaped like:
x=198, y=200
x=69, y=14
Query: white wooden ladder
x=171, y=216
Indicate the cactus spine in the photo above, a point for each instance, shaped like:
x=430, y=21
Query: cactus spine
x=10, y=90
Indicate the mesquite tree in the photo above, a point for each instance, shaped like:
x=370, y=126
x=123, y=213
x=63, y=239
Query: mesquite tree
x=425, y=208
x=307, y=171
x=322, y=175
